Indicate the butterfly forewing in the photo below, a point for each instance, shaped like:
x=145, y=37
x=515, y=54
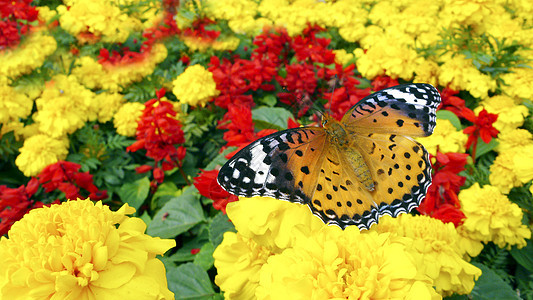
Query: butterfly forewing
x=407, y=109
x=279, y=165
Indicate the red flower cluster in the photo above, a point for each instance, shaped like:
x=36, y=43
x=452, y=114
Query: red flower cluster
x=199, y=31
x=15, y=203
x=15, y=19
x=453, y=103
x=65, y=176
x=441, y=201
x=482, y=128
x=158, y=132
x=207, y=186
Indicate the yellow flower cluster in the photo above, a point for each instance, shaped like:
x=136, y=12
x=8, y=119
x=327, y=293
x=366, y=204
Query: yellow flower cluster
x=64, y=107
x=27, y=56
x=438, y=249
x=102, y=19
x=125, y=119
x=115, y=77
x=445, y=138
x=81, y=250
x=240, y=15
x=399, y=258
x=491, y=217
x=13, y=105
x=40, y=151
x=195, y=86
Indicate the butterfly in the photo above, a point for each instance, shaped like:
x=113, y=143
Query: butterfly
x=348, y=172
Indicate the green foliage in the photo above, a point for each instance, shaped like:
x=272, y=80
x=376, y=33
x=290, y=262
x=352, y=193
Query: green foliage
x=498, y=260
x=450, y=116
x=135, y=193
x=270, y=117
x=489, y=55
x=189, y=281
x=480, y=172
x=178, y=215
x=491, y=286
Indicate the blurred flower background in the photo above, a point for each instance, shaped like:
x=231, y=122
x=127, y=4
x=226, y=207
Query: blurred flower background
x=137, y=103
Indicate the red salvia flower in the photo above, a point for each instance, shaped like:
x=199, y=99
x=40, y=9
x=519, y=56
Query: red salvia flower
x=207, y=186
x=65, y=176
x=16, y=16
x=482, y=128
x=159, y=133
x=441, y=200
x=451, y=102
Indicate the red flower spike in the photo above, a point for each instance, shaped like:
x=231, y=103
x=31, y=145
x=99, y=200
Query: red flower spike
x=441, y=200
x=143, y=169
x=482, y=128
x=159, y=133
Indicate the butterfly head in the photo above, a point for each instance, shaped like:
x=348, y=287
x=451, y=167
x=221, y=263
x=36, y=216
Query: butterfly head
x=335, y=130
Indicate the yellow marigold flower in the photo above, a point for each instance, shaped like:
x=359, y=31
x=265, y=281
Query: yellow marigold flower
x=334, y=264
x=101, y=18
x=445, y=138
x=341, y=57
x=13, y=105
x=21, y=131
x=468, y=12
x=106, y=105
x=240, y=15
x=81, y=250
x=502, y=173
x=510, y=115
x=518, y=83
x=491, y=217
x=125, y=119
x=46, y=14
x=513, y=139
x=390, y=56
x=270, y=222
x=63, y=106
x=427, y=72
x=460, y=74
x=40, y=151
x=238, y=261
x=437, y=248
x=197, y=44
x=115, y=77
x=292, y=15
x=30, y=54
x=195, y=86
x=523, y=163
x=349, y=18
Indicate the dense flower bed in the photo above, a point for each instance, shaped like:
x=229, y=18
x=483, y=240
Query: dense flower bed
x=137, y=104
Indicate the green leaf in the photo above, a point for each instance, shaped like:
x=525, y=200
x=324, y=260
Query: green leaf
x=483, y=148
x=218, y=226
x=189, y=281
x=204, y=258
x=178, y=215
x=134, y=193
x=269, y=100
x=220, y=159
x=524, y=256
x=270, y=117
x=166, y=189
x=448, y=115
x=491, y=286
x=184, y=253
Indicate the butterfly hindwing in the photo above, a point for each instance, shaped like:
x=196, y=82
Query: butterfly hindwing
x=400, y=168
x=407, y=109
x=275, y=166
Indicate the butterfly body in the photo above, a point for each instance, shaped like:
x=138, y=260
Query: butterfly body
x=349, y=172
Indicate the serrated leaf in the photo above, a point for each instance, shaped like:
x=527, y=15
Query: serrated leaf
x=218, y=226
x=270, y=117
x=450, y=116
x=483, y=148
x=189, y=281
x=491, y=286
x=178, y=215
x=134, y=193
x=524, y=256
x=204, y=258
